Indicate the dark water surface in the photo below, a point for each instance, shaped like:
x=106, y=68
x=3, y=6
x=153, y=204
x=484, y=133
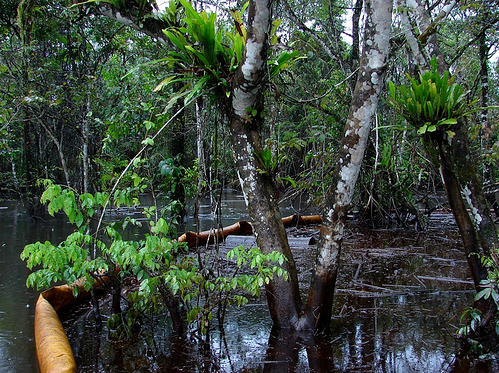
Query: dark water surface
x=399, y=297
x=17, y=303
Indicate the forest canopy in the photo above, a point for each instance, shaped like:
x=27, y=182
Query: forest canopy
x=81, y=93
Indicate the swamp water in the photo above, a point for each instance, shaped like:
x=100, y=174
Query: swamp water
x=399, y=297
x=17, y=303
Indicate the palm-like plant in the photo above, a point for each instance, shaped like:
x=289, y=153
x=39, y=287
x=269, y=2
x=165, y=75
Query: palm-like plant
x=208, y=53
x=431, y=102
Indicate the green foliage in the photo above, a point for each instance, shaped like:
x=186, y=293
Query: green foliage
x=155, y=261
x=68, y=262
x=78, y=209
x=283, y=62
x=430, y=102
x=174, y=176
x=471, y=317
x=82, y=254
x=206, y=54
x=268, y=162
x=177, y=180
x=490, y=286
x=201, y=290
x=255, y=259
x=75, y=257
x=197, y=287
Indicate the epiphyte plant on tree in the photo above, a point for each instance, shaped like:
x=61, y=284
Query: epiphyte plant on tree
x=430, y=102
x=207, y=54
x=436, y=106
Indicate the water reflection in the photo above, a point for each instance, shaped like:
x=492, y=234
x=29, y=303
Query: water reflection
x=379, y=337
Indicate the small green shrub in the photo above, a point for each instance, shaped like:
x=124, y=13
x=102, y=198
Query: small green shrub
x=155, y=261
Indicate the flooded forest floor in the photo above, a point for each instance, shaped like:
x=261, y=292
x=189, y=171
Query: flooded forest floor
x=398, y=301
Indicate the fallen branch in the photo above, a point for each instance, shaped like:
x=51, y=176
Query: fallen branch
x=445, y=279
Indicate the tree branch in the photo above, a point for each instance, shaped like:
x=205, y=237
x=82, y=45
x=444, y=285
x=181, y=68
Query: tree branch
x=146, y=23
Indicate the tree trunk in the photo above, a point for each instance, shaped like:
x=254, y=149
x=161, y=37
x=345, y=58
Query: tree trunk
x=352, y=147
x=177, y=313
x=458, y=166
x=244, y=110
x=484, y=50
x=458, y=207
x=354, y=55
x=59, y=146
x=259, y=192
x=85, y=131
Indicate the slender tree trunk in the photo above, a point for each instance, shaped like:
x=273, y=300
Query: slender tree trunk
x=59, y=146
x=116, y=294
x=177, y=314
x=246, y=122
x=178, y=150
x=357, y=11
x=458, y=207
x=472, y=190
x=352, y=147
x=14, y=174
x=484, y=50
x=484, y=78
x=416, y=58
x=85, y=155
x=32, y=169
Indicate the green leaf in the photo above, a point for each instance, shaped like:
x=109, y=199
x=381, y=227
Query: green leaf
x=449, y=121
x=422, y=129
x=485, y=293
x=160, y=227
x=173, y=99
x=148, y=141
x=148, y=124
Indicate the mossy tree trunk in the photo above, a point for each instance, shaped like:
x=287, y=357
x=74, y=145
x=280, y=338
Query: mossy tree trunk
x=351, y=153
x=246, y=124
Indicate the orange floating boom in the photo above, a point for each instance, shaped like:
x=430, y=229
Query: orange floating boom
x=52, y=345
